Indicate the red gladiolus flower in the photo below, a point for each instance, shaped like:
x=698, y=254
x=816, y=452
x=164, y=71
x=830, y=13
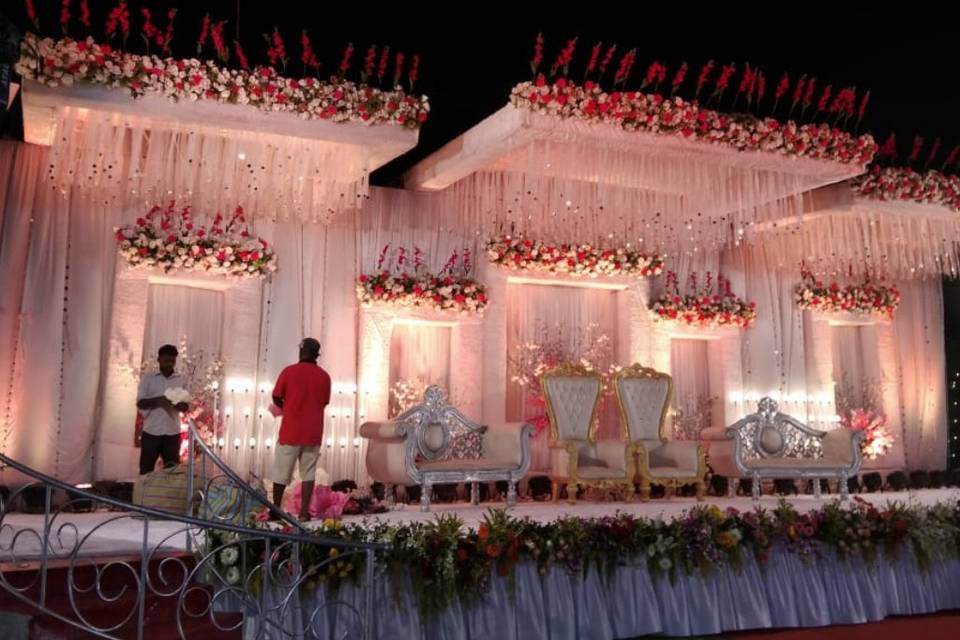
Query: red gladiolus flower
x=917, y=147
x=204, y=33
x=537, y=53
x=594, y=57
x=412, y=74
x=398, y=68
x=119, y=15
x=307, y=56
x=626, y=64
x=863, y=105
x=704, y=75
x=782, y=87
x=824, y=98
x=150, y=32
x=680, y=76
x=724, y=80
x=607, y=58
x=216, y=35
x=384, y=59
x=241, y=57
x=808, y=97
x=32, y=13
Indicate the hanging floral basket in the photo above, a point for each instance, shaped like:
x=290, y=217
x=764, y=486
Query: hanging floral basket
x=864, y=299
x=523, y=254
x=168, y=239
x=704, y=308
x=453, y=289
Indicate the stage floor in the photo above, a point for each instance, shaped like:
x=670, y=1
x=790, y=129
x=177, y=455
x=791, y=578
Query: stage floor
x=116, y=533
x=655, y=508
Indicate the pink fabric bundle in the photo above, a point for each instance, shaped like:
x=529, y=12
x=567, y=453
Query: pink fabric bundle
x=325, y=502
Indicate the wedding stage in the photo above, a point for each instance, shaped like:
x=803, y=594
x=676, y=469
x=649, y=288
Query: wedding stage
x=613, y=289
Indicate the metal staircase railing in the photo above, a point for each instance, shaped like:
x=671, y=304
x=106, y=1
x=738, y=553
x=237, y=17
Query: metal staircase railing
x=234, y=567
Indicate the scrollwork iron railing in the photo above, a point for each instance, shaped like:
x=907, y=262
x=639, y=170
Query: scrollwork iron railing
x=145, y=571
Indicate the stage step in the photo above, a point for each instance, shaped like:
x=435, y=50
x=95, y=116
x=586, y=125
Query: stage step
x=160, y=612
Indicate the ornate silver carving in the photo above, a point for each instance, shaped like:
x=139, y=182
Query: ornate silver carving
x=419, y=422
x=769, y=435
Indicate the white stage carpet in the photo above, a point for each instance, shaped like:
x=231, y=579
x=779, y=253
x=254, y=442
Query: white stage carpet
x=655, y=508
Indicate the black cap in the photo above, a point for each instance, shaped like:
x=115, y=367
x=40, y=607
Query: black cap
x=310, y=345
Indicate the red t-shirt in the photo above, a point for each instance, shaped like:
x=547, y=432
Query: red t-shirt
x=305, y=390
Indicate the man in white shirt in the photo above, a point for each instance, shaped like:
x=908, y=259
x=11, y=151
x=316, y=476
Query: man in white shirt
x=161, y=418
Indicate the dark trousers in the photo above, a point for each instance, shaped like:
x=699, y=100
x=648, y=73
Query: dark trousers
x=152, y=447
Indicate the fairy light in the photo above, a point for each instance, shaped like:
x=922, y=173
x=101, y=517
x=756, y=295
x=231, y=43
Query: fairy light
x=951, y=299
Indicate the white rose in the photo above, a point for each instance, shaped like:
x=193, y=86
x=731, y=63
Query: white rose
x=232, y=575
x=229, y=556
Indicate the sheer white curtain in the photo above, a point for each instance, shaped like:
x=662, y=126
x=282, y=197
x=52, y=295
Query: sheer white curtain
x=419, y=356
x=849, y=369
x=921, y=374
x=56, y=273
x=690, y=369
x=182, y=313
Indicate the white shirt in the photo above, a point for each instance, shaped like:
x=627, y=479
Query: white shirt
x=160, y=422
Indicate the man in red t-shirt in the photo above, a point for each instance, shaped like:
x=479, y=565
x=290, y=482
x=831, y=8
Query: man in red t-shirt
x=303, y=393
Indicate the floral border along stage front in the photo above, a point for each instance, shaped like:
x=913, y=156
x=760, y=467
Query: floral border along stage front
x=169, y=239
x=65, y=62
x=447, y=562
x=864, y=299
x=903, y=183
x=652, y=113
x=522, y=254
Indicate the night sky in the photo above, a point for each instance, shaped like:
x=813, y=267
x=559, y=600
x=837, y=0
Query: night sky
x=472, y=54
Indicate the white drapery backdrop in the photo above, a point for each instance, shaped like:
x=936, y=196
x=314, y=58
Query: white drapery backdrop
x=58, y=243
x=690, y=369
x=420, y=355
x=920, y=374
x=850, y=371
x=56, y=273
x=175, y=313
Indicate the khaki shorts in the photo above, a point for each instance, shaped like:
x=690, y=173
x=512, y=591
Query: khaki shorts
x=285, y=459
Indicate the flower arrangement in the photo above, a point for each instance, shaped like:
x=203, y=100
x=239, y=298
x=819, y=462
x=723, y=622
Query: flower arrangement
x=903, y=183
x=877, y=440
x=706, y=307
x=169, y=239
x=522, y=254
x=453, y=289
x=447, y=562
x=674, y=116
x=866, y=298
x=67, y=62
x=861, y=407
